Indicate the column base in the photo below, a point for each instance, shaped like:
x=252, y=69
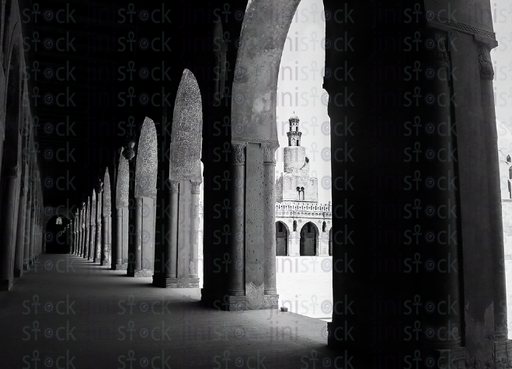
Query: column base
x=141, y=273
x=26, y=267
x=18, y=273
x=213, y=299
x=164, y=282
x=502, y=354
x=6, y=284
x=271, y=301
x=234, y=303
x=120, y=266
x=451, y=358
x=188, y=283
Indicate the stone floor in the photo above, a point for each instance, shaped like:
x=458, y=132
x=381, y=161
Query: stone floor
x=70, y=313
x=304, y=284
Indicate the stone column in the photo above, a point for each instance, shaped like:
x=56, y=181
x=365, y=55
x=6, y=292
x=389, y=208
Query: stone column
x=121, y=242
x=171, y=242
x=20, y=235
x=35, y=236
x=496, y=231
x=87, y=226
x=26, y=235
x=269, y=166
x=138, y=237
x=106, y=214
x=82, y=230
x=194, y=229
x=106, y=240
x=75, y=232
x=76, y=227
x=99, y=226
x=441, y=329
x=236, y=246
x=40, y=238
x=71, y=236
x=9, y=227
x=92, y=238
x=78, y=232
x=32, y=236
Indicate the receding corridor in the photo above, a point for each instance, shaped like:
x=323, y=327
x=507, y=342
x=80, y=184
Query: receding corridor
x=91, y=317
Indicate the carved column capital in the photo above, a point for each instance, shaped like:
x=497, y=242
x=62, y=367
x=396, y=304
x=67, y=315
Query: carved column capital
x=195, y=188
x=436, y=44
x=485, y=62
x=269, y=151
x=174, y=186
x=238, y=154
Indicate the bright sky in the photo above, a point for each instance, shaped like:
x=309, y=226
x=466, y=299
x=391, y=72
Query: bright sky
x=502, y=60
x=300, y=90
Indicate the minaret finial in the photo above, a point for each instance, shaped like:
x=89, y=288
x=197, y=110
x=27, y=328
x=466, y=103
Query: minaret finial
x=294, y=134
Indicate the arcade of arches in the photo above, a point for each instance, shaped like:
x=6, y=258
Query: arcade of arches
x=107, y=129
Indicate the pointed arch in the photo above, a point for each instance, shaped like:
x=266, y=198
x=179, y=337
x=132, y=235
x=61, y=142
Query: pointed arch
x=123, y=182
x=107, y=199
x=282, y=237
x=10, y=146
x=185, y=175
x=146, y=164
x=56, y=241
x=93, y=223
x=187, y=126
x=106, y=212
x=146, y=172
x=257, y=66
x=309, y=239
x=122, y=218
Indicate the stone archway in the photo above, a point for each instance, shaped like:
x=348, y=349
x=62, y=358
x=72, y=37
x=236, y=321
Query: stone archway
x=10, y=161
x=254, y=141
x=185, y=178
x=123, y=218
x=282, y=237
x=91, y=252
x=309, y=239
x=146, y=168
x=56, y=237
x=106, y=211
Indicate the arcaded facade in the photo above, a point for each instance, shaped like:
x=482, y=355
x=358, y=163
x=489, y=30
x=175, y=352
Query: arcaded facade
x=108, y=110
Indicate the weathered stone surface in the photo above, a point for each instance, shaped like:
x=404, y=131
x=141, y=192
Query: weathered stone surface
x=107, y=199
x=93, y=208
x=123, y=182
x=187, y=127
x=254, y=228
x=146, y=165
